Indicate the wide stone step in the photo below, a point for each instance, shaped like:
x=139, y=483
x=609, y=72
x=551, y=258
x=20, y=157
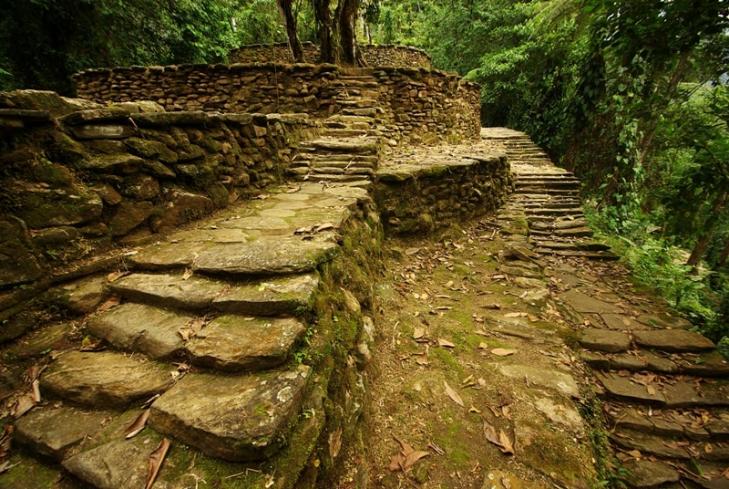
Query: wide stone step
x=553, y=211
x=547, y=190
x=685, y=392
x=271, y=256
x=360, y=145
x=341, y=164
x=356, y=101
x=557, y=224
x=367, y=112
x=702, y=365
x=590, y=255
x=237, y=418
x=540, y=218
x=672, y=448
x=52, y=431
x=350, y=119
x=708, y=424
x=337, y=124
x=270, y=297
x=577, y=232
x=570, y=245
x=673, y=340
x=337, y=158
x=345, y=133
x=105, y=378
x=334, y=178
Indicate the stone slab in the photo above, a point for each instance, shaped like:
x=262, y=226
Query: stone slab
x=165, y=256
x=236, y=418
x=52, y=431
x=169, y=290
x=264, y=257
x=284, y=295
x=40, y=341
x=624, y=388
x=235, y=343
x=675, y=340
x=143, y=328
x=605, y=340
x=646, y=473
x=104, y=378
x=552, y=379
x=584, y=303
x=118, y=464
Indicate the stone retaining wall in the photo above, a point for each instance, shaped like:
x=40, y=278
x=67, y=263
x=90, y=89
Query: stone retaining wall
x=77, y=182
x=374, y=55
x=418, y=105
x=422, y=197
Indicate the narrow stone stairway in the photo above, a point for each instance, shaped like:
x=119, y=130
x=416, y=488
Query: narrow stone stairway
x=201, y=329
x=550, y=198
x=348, y=151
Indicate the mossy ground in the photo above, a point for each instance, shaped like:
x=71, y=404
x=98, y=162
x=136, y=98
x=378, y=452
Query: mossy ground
x=448, y=290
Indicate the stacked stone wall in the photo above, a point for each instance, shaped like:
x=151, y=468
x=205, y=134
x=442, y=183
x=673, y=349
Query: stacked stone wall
x=427, y=195
x=373, y=54
x=76, y=183
x=416, y=105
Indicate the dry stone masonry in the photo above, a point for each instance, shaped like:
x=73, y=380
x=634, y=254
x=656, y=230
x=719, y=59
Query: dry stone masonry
x=373, y=54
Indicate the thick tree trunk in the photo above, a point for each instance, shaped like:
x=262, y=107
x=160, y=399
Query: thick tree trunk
x=289, y=20
x=708, y=232
x=724, y=257
x=323, y=16
x=347, y=11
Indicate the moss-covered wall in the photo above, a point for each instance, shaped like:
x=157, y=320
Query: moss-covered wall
x=76, y=182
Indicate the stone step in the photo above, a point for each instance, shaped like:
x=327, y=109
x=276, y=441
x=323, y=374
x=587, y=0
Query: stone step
x=262, y=257
x=366, y=165
x=671, y=448
x=336, y=124
x=673, y=340
x=547, y=190
x=350, y=159
x=553, y=211
x=566, y=184
x=539, y=218
x=644, y=473
x=559, y=225
x=350, y=119
x=325, y=177
x=361, y=102
x=577, y=232
x=229, y=342
x=346, y=133
x=359, y=145
x=101, y=379
x=590, y=255
x=54, y=430
x=570, y=245
x=520, y=172
x=337, y=170
x=289, y=294
x=710, y=364
x=683, y=392
x=368, y=112
x=708, y=424
x=236, y=418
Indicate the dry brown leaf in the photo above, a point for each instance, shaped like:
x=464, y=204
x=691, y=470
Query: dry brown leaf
x=138, y=425
x=453, y=394
x=187, y=274
x=501, y=440
x=418, y=332
x=90, y=343
x=445, y=343
x=412, y=458
x=506, y=446
x=156, y=459
x=335, y=443
x=114, y=276
x=36, y=391
x=108, y=304
x=23, y=404
x=502, y=352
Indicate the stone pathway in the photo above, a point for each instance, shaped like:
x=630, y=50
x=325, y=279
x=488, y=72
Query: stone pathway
x=215, y=330
x=549, y=197
x=666, y=388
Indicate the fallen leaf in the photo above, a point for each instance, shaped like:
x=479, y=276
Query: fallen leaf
x=155, y=462
x=483, y=346
x=36, y=391
x=445, y=343
x=501, y=440
x=418, y=333
x=412, y=458
x=515, y=315
x=90, y=343
x=453, y=394
x=138, y=425
x=187, y=274
x=114, y=276
x=108, y=304
x=502, y=352
x=23, y=404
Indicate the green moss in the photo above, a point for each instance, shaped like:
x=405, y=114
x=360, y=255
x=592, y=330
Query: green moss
x=448, y=360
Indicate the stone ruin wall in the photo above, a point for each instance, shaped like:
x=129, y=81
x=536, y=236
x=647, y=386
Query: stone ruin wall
x=418, y=105
x=373, y=54
x=75, y=183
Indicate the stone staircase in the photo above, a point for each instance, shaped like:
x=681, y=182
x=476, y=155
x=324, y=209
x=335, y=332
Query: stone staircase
x=201, y=330
x=348, y=151
x=550, y=198
x=666, y=397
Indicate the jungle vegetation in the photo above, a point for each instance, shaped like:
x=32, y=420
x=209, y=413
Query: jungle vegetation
x=631, y=95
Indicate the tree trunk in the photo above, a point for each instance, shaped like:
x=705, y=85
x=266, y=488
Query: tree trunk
x=346, y=19
x=289, y=20
x=708, y=232
x=724, y=257
x=323, y=17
